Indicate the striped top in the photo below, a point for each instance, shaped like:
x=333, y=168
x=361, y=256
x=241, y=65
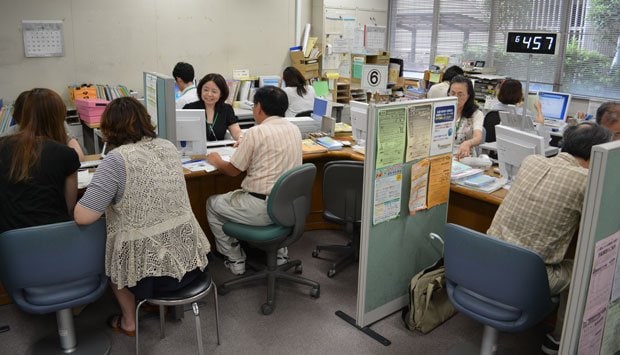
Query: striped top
x=266, y=151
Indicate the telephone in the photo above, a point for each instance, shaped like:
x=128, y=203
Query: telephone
x=246, y=104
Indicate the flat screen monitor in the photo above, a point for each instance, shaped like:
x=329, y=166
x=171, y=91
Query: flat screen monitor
x=191, y=132
x=554, y=106
x=321, y=107
x=359, y=121
x=513, y=146
x=268, y=80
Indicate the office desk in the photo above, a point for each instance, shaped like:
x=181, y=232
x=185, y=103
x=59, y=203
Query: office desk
x=473, y=209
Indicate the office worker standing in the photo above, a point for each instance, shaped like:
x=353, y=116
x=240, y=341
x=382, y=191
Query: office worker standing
x=543, y=208
x=469, y=118
x=270, y=148
x=183, y=74
x=608, y=116
x=220, y=116
x=441, y=89
x=154, y=241
x=300, y=95
x=38, y=171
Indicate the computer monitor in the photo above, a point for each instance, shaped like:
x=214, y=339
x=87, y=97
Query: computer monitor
x=269, y=80
x=554, y=106
x=191, y=132
x=359, y=121
x=513, y=146
x=322, y=107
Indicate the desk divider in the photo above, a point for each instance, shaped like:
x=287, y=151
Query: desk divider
x=392, y=251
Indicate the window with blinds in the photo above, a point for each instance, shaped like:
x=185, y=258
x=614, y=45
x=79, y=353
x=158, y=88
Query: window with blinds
x=587, y=59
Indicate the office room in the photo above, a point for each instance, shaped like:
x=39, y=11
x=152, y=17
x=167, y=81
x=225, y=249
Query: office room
x=356, y=309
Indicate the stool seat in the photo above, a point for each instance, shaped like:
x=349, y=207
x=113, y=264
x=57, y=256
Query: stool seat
x=190, y=294
x=197, y=286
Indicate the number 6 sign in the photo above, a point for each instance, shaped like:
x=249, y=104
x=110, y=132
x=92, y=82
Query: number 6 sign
x=374, y=77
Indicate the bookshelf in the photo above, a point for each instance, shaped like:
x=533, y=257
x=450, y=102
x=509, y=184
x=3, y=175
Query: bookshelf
x=342, y=92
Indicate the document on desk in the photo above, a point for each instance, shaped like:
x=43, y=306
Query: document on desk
x=419, y=121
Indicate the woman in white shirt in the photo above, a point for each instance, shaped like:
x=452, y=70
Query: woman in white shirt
x=469, y=118
x=300, y=95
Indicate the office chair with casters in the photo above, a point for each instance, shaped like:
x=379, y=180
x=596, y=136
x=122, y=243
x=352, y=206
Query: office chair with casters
x=343, y=183
x=304, y=114
x=288, y=206
x=190, y=294
x=52, y=268
x=501, y=285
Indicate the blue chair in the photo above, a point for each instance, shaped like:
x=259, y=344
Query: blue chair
x=288, y=206
x=52, y=268
x=501, y=285
x=343, y=184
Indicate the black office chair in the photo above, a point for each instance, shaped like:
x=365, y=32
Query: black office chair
x=288, y=206
x=52, y=268
x=343, y=183
x=491, y=119
x=501, y=285
x=304, y=114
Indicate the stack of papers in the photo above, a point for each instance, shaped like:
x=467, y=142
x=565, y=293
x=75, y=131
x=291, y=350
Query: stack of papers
x=461, y=171
x=329, y=143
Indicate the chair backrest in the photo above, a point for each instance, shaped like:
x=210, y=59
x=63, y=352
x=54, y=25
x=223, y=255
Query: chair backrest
x=304, y=114
x=499, y=284
x=52, y=267
x=491, y=119
x=343, y=184
x=289, y=201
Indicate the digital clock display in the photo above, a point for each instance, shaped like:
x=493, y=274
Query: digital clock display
x=531, y=42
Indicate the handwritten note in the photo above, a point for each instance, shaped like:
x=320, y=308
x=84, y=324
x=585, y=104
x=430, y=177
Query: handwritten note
x=439, y=180
x=388, y=185
x=390, y=136
x=419, y=123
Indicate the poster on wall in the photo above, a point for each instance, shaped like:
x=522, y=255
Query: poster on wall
x=443, y=134
x=419, y=123
x=391, y=126
x=388, y=184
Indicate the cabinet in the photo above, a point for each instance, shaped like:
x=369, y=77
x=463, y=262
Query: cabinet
x=485, y=84
x=342, y=92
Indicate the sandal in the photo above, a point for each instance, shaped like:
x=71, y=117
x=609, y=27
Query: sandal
x=114, y=322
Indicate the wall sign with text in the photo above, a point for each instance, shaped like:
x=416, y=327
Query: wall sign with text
x=531, y=42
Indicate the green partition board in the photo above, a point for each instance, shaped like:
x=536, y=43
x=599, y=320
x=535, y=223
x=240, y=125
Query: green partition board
x=599, y=220
x=400, y=248
x=392, y=252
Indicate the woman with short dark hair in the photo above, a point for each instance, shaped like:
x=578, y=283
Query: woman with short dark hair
x=154, y=240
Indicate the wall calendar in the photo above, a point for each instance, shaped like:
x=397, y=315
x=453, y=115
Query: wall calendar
x=43, y=38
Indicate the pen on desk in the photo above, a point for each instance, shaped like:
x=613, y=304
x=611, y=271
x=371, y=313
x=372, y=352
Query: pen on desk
x=193, y=161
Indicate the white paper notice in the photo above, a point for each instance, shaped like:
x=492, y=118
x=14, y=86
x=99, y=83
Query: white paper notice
x=419, y=122
x=442, y=137
x=611, y=335
x=615, y=292
x=388, y=184
x=599, y=291
x=419, y=184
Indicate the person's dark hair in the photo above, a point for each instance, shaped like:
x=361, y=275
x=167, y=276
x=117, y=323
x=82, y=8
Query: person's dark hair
x=510, y=92
x=42, y=117
x=470, y=105
x=125, y=121
x=578, y=140
x=183, y=70
x=18, y=106
x=294, y=78
x=451, y=72
x=219, y=81
x=605, y=108
x=273, y=100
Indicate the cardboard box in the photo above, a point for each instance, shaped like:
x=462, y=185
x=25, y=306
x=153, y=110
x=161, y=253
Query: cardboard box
x=308, y=67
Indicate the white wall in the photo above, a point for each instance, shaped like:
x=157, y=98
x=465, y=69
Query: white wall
x=114, y=41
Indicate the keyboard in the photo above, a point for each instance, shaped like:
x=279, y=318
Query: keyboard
x=90, y=164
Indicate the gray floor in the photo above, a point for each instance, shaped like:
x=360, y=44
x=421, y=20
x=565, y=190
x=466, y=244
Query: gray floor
x=299, y=324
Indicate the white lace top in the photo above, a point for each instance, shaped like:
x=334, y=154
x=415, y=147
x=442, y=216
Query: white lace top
x=152, y=230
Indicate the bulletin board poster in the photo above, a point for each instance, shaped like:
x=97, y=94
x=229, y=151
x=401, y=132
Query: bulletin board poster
x=391, y=126
x=388, y=185
x=419, y=123
x=443, y=134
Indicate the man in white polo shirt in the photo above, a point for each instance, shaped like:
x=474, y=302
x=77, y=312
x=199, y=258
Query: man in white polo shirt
x=183, y=74
x=267, y=150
